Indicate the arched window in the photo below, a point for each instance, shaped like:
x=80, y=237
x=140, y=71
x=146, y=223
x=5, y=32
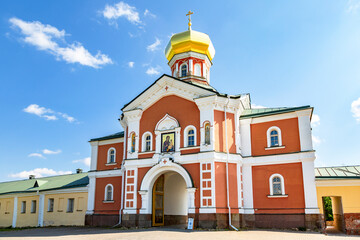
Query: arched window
x=197, y=70
x=274, y=137
x=277, y=186
x=148, y=143
x=191, y=138
x=133, y=142
x=109, y=192
x=207, y=133
x=183, y=70
x=111, y=155
x=276, y=182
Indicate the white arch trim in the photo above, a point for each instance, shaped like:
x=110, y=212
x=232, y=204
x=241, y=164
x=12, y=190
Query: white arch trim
x=143, y=141
x=269, y=138
x=151, y=176
x=108, y=155
x=186, y=131
x=271, y=184
x=167, y=123
x=112, y=193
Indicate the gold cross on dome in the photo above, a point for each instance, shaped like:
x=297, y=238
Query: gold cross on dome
x=189, y=14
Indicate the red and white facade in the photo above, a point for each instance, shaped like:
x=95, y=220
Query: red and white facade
x=228, y=165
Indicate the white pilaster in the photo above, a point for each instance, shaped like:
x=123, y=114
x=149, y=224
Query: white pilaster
x=305, y=130
x=91, y=195
x=94, y=155
x=15, y=212
x=311, y=206
x=132, y=118
x=248, y=189
x=191, y=199
x=245, y=136
x=144, y=202
x=206, y=107
x=191, y=70
x=41, y=210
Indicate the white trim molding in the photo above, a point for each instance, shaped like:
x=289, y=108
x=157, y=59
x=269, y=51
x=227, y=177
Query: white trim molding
x=268, y=137
x=186, y=133
x=109, y=156
x=272, y=187
x=143, y=142
x=112, y=193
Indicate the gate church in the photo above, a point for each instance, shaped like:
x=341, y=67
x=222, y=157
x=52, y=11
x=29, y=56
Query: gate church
x=188, y=151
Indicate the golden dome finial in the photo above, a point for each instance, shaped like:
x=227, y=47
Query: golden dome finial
x=189, y=14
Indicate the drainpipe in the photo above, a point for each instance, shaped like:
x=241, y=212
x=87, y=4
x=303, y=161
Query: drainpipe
x=227, y=166
x=122, y=180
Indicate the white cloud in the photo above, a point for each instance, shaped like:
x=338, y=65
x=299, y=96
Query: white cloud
x=256, y=106
x=36, y=155
x=122, y=9
x=155, y=46
x=147, y=13
x=355, y=109
x=353, y=6
x=44, y=113
x=47, y=151
x=85, y=161
x=315, y=120
x=152, y=71
x=316, y=140
x=44, y=38
x=131, y=64
x=38, y=172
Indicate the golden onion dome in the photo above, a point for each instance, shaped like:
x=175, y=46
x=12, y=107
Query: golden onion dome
x=190, y=41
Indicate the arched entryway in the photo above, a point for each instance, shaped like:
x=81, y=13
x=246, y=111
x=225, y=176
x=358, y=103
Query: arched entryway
x=169, y=200
x=167, y=194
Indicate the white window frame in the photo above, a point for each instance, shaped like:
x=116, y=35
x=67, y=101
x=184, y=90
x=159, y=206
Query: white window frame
x=269, y=137
x=186, y=131
x=68, y=205
x=187, y=70
x=108, y=155
x=198, y=74
x=33, y=206
x=143, y=144
x=112, y=193
x=23, y=207
x=282, y=184
x=53, y=203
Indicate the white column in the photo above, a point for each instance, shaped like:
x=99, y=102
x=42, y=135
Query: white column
x=91, y=194
x=238, y=175
x=245, y=135
x=248, y=189
x=191, y=70
x=311, y=205
x=305, y=130
x=15, y=212
x=144, y=202
x=94, y=155
x=191, y=200
x=41, y=210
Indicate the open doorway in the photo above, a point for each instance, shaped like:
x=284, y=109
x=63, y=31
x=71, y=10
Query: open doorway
x=333, y=214
x=169, y=201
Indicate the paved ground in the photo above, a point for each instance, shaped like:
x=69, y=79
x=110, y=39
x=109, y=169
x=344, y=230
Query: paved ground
x=160, y=233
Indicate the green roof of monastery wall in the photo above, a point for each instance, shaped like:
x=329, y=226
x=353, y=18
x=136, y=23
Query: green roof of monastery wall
x=45, y=183
x=342, y=172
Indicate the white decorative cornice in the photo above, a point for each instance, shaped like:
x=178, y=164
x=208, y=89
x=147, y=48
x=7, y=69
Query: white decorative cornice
x=133, y=115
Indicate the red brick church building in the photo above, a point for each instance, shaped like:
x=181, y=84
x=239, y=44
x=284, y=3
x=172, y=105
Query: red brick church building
x=189, y=151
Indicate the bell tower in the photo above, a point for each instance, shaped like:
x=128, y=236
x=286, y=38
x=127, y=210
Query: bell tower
x=190, y=55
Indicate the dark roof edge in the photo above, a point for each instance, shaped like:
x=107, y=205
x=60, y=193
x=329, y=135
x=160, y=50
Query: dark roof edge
x=112, y=136
x=286, y=110
x=337, y=177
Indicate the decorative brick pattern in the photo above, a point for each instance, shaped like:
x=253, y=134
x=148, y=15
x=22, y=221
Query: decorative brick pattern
x=206, y=185
x=352, y=223
x=130, y=189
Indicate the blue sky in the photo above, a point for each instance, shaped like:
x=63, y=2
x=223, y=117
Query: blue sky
x=68, y=67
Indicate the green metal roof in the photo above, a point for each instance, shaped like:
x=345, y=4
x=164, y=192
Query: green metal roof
x=112, y=136
x=45, y=183
x=260, y=112
x=345, y=172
